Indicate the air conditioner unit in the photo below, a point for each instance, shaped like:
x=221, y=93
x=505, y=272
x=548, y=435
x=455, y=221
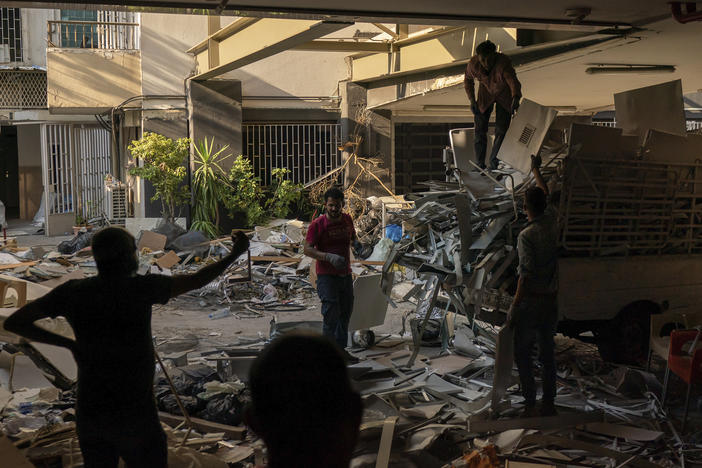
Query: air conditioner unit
x=115, y=203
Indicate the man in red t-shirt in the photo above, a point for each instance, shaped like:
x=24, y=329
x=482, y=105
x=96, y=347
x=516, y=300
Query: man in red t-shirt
x=329, y=240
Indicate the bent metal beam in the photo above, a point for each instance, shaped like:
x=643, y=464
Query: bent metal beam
x=248, y=40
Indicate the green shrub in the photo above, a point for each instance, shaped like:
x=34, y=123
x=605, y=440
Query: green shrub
x=245, y=194
x=283, y=194
x=163, y=165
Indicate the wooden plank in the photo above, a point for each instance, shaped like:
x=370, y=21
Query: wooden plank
x=10, y=266
x=281, y=259
x=542, y=423
x=623, y=432
x=11, y=456
x=621, y=457
x=201, y=425
x=386, y=442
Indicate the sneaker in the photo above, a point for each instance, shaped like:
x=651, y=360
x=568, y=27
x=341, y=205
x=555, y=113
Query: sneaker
x=548, y=409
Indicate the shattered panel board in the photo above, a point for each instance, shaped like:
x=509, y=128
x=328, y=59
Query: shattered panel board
x=593, y=141
x=369, y=303
x=525, y=135
x=657, y=107
x=668, y=147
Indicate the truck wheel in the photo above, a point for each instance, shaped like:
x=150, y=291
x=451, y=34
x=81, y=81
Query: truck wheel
x=625, y=339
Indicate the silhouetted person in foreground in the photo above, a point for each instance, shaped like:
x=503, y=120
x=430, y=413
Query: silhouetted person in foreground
x=303, y=406
x=116, y=414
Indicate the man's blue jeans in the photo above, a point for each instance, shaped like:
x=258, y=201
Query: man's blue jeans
x=482, y=120
x=336, y=294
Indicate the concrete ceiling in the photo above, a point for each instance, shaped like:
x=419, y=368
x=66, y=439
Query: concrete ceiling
x=405, y=11
x=561, y=81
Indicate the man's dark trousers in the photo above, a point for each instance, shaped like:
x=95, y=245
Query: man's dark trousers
x=535, y=321
x=336, y=294
x=482, y=120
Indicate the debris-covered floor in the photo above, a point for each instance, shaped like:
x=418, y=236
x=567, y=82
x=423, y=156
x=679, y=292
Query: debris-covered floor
x=433, y=281
x=437, y=408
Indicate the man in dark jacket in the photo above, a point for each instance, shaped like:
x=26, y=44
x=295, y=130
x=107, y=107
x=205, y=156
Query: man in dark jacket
x=498, y=86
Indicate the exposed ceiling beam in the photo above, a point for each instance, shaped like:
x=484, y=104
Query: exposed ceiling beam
x=332, y=13
x=519, y=56
x=241, y=44
x=387, y=30
x=344, y=46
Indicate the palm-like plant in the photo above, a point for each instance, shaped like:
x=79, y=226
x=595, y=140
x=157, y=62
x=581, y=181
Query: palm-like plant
x=209, y=182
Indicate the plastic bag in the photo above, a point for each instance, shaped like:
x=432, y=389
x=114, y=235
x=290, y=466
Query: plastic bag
x=224, y=408
x=393, y=232
x=81, y=241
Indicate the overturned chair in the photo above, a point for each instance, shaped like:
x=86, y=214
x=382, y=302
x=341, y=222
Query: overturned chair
x=686, y=364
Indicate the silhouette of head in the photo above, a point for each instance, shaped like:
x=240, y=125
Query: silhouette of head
x=114, y=250
x=535, y=200
x=303, y=406
x=486, y=52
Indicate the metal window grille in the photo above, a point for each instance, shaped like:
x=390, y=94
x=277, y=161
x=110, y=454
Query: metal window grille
x=59, y=168
x=77, y=158
x=93, y=160
x=307, y=150
x=10, y=35
x=22, y=89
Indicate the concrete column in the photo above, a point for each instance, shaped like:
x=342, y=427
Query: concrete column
x=214, y=108
x=353, y=100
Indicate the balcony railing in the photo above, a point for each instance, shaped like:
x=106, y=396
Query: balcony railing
x=93, y=35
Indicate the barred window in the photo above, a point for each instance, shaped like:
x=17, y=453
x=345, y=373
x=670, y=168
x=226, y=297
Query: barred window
x=10, y=35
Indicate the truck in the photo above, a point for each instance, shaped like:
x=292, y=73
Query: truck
x=630, y=246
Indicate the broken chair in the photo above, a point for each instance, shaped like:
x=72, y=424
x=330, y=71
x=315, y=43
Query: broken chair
x=661, y=327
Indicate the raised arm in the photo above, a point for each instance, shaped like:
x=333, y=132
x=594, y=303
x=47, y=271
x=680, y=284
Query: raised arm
x=185, y=283
x=536, y=170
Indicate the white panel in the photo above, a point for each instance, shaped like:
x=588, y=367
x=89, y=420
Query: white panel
x=526, y=134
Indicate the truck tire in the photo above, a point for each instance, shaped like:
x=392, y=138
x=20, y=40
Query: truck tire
x=625, y=338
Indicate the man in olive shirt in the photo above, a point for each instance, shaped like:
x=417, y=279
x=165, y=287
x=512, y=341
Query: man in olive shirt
x=534, y=314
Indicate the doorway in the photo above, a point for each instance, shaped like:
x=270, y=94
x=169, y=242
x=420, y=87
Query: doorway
x=9, y=171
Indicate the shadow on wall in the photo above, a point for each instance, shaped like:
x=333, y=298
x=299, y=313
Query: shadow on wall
x=92, y=78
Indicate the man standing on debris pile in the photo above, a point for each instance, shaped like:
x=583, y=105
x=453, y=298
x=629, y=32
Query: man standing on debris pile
x=498, y=85
x=302, y=403
x=329, y=239
x=116, y=414
x=533, y=314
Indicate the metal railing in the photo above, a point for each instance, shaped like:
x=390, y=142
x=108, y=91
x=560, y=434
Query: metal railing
x=93, y=35
x=691, y=125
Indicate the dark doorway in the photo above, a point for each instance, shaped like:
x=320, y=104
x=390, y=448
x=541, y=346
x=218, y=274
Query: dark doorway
x=419, y=154
x=9, y=171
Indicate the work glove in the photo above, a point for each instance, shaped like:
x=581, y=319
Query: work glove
x=240, y=243
x=337, y=261
x=535, y=162
x=515, y=104
x=474, y=107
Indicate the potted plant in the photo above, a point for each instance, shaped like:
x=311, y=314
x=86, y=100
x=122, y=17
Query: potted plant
x=210, y=186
